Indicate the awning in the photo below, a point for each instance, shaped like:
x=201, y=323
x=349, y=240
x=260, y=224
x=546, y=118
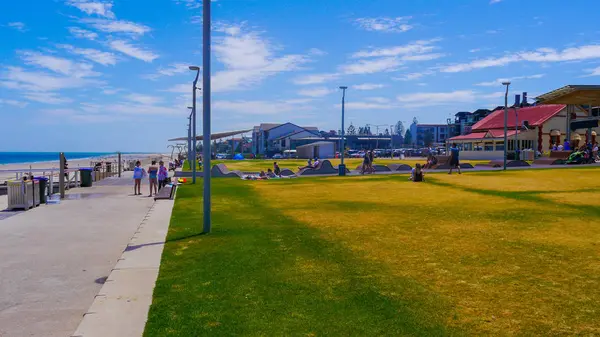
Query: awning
x=214, y=136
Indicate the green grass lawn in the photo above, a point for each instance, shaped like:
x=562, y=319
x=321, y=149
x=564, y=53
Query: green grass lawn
x=257, y=165
x=482, y=253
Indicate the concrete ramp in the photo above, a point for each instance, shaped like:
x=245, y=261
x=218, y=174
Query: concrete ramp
x=287, y=173
x=221, y=171
x=400, y=167
x=378, y=168
x=323, y=168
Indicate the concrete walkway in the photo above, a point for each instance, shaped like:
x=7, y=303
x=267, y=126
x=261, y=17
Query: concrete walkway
x=55, y=258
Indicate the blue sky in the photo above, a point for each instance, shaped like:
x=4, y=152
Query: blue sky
x=101, y=75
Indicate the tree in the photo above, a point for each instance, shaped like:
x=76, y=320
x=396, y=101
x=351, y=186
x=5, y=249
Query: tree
x=408, y=137
x=360, y=130
x=415, y=121
x=387, y=132
x=351, y=130
x=399, y=130
x=428, y=138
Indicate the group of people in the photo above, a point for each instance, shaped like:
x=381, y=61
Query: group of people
x=271, y=173
x=367, y=165
x=310, y=164
x=587, y=153
x=157, y=177
x=417, y=174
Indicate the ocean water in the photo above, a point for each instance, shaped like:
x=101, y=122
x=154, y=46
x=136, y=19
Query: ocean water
x=36, y=157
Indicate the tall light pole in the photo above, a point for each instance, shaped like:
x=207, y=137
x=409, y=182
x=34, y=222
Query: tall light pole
x=342, y=167
x=206, y=112
x=194, y=88
x=392, y=141
x=507, y=84
x=191, y=153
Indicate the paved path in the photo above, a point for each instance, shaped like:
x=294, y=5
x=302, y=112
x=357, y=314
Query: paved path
x=54, y=259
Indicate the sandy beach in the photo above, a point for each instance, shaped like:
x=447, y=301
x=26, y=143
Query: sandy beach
x=72, y=164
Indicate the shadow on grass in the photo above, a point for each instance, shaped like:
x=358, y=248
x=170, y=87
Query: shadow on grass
x=263, y=273
x=532, y=196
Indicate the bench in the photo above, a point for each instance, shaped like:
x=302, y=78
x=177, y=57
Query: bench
x=400, y=167
x=555, y=158
x=166, y=193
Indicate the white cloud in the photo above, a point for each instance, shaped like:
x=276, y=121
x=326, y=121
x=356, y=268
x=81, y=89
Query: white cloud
x=416, y=47
x=585, y=52
x=475, y=50
x=422, y=57
x=498, y=82
x=378, y=99
x=13, y=102
x=594, y=72
x=144, y=99
x=47, y=98
x=494, y=1
x=18, y=79
x=171, y=70
x=247, y=107
x=413, y=76
x=385, y=64
x=315, y=78
x=315, y=92
x=366, y=106
x=100, y=8
x=248, y=59
x=20, y=26
x=82, y=33
x=316, y=52
x=422, y=99
x=59, y=65
x=191, y=4
x=181, y=88
x=101, y=57
x=117, y=26
x=368, y=86
x=385, y=24
x=133, y=51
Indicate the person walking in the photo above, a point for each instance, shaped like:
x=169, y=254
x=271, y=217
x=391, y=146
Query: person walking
x=163, y=174
x=371, y=158
x=153, y=177
x=138, y=174
x=366, y=163
x=454, y=162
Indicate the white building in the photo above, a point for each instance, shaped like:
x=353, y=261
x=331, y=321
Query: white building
x=270, y=138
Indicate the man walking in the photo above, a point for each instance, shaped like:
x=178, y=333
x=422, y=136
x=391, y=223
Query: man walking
x=454, y=162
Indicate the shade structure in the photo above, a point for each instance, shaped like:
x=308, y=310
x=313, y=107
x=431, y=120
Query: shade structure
x=572, y=94
x=214, y=136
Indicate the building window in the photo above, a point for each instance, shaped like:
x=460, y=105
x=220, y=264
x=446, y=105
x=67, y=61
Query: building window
x=468, y=146
x=283, y=143
x=488, y=146
x=499, y=146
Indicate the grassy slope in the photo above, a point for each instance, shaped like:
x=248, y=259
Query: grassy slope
x=471, y=254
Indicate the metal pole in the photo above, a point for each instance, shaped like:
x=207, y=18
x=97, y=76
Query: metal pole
x=194, y=132
x=120, y=165
x=206, y=111
x=61, y=175
x=505, y=123
x=342, y=171
x=189, y=145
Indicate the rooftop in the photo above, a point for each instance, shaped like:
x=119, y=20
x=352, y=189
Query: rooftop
x=535, y=115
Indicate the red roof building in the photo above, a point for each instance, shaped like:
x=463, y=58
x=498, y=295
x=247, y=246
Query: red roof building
x=535, y=127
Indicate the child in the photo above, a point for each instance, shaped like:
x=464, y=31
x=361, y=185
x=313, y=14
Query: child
x=163, y=173
x=416, y=174
x=153, y=177
x=138, y=174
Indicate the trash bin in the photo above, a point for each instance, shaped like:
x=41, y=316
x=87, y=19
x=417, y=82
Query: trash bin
x=342, y=169
x=86, y=176
x=43, y=181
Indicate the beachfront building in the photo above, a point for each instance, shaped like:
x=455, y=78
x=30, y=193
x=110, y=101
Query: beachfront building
x=437, y=132
x=271, y=138
x=321, y=149
x=464, y=121
x=535, y=127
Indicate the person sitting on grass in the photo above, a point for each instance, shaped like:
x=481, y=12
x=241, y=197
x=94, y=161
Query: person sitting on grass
x=416, y=174
x=431, y=160
x=309, y=164
x=270, y=174
x=276, y=169
x=262, y=175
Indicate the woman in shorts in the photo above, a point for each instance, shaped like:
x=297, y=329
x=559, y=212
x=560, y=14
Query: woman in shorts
x=153, y=177
x=138, y=174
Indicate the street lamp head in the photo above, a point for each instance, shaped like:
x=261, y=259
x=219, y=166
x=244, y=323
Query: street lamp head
x=190, y=107
x=506, y=83
x=343, y=88
x=196, y=68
